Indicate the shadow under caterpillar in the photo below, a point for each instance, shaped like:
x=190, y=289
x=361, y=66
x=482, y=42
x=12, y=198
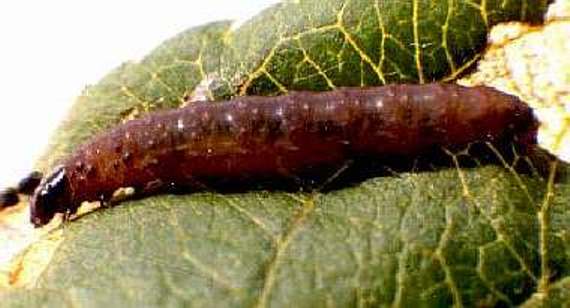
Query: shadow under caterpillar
x=254, y=137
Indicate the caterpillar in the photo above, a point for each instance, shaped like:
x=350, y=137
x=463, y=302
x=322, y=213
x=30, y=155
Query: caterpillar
x=275, y=137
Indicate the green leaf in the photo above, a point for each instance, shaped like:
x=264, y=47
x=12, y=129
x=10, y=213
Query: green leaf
x=558, y=296
x=466, y=236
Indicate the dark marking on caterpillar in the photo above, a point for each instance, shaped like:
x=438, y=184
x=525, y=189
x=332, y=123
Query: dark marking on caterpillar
x=257, y=137
x=9, y=197
x=26, y=186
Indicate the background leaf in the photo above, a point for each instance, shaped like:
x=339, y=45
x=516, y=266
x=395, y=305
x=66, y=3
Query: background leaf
x=459, y=235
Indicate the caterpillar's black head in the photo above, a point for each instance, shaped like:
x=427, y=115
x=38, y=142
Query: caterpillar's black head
x=50, y=197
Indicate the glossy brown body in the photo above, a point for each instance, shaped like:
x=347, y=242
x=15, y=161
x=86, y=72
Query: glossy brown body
x=281, y=136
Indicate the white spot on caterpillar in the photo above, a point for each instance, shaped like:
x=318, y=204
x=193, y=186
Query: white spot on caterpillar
x=428, y=97
x=180, y=125
x=229, y=117
x=379, y=103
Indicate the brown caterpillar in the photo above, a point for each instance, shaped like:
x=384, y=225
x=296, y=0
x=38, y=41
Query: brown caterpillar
x=251, y=137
